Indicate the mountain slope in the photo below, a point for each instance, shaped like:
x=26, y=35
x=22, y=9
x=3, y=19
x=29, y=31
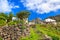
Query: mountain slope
x=57, y=18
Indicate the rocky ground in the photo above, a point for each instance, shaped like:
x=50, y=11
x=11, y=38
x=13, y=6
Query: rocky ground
x=13, y=32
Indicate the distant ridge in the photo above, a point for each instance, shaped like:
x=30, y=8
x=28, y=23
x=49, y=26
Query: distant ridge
x=57, y=18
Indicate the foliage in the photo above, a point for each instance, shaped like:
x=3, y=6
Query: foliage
x=11, y=23
x=23, y=14
x=2, y=23
x=33, y=36
x=17, y=21
x=55, y=38
x=1, y=38
x=35, y=33
x=44, y=30
x=23, y=27
x=10, y=17
x=50, y=31
x=21, y=21
x=3, y=16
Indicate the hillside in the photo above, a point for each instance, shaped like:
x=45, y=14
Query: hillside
x=57, y=18
x=21, y=29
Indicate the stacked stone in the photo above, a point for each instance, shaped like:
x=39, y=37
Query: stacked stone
x=13, y=32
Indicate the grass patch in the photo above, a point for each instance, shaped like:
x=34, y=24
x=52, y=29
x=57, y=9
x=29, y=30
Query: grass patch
x=49, y=30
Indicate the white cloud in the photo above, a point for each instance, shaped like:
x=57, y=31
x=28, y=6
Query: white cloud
x=42, y=6
x=14, y=6
x=5, y=6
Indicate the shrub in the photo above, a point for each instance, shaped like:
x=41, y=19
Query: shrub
x=17, y=21
x=1, y=38
x=21, y=21
x=23, y=27
x=11, y=23
x=55, y=38
x=2, y=22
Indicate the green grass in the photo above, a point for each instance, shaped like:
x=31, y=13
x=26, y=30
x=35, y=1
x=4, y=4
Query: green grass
x=44, y=30
x=33, y=35
x=1, y=38
x=49, y=30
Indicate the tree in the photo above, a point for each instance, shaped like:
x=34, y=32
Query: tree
x=3, y=16
x=23, y=14
x=10, y=17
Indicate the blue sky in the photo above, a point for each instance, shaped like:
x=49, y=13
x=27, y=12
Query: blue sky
x=38, y=8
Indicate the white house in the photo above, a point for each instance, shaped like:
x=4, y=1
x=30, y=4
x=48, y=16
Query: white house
x=49, y=20
x=14, y=18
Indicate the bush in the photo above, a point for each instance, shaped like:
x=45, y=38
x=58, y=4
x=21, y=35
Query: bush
x=21, y=21
x=2, y=22
x=11, y=23
x=17, y=21
x=23, y=27
x=1, y=38
x=55, y=38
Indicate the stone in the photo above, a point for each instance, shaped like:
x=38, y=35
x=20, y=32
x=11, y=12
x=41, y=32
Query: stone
x=13, y=32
